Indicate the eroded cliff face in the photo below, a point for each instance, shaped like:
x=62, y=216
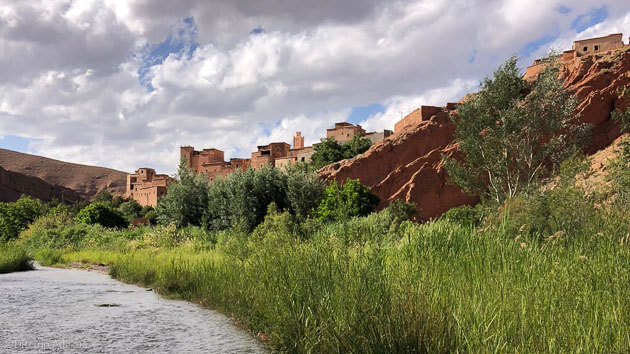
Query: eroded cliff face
x=407, y=165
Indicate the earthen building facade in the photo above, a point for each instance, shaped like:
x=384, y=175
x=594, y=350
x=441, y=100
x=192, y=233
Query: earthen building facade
x=146, y=187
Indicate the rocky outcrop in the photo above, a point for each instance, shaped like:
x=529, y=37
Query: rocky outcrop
x=14, y=184
x=408, y=165
x=84, y=180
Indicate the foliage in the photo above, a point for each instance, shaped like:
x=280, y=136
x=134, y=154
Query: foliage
x=242, y=197
x=13, y=258
x=130, y=210
x=15, y=217
x=465, y=215
x=105, y=196
x=185, y=202
x=329, y=150
x=350, y=199
x=508, y=137
x=103, y=214
x=305, y=191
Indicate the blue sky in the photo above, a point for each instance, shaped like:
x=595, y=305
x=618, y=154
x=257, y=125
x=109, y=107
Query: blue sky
x=15, y=143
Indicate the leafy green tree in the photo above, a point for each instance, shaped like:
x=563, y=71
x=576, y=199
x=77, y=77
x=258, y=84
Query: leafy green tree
x=511, y=132
x=356, y=146
x=343, y=202
x=15, y=217
x=242, y=198
x=130, y=209
x=146, y=209
x=305, y=191
x=185, y=202
x=105, y=196
x=326, y=152
x=103, y=214
x=329, y=150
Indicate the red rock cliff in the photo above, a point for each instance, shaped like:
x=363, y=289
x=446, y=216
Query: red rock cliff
x=408, y=165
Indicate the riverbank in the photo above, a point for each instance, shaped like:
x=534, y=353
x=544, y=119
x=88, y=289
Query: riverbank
x=358, y=286
x=14, y=259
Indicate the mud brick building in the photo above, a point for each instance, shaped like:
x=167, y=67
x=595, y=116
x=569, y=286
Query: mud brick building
x=212, y=162
x=581, y=48
x=146, y=187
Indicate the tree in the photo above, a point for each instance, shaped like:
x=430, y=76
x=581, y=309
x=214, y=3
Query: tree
x=130, y=210
x=305, y=191
x=351, y=199
x=15, y=217
x=185, y=202
x=105, y=196
x=329, y=150
x=103, y=214
x=510, y=133
x=242, y=198
x=356, y=146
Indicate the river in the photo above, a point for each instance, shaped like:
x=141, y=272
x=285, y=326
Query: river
x=73, y=311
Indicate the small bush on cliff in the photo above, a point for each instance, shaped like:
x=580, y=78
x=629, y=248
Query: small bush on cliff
x=509, y=138
x=15, y=217
x=103, y=214
x=350, y=199
x=329, y=150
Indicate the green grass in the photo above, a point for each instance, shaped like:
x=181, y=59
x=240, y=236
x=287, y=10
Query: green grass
x=434, y=288
x=13, y=259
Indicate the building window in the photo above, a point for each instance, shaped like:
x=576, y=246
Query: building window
x=586, y=49
x=596, y=48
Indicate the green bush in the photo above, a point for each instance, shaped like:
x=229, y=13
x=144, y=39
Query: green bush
x=329, y=150
x=103, y=214
x=13, y=258
x=350, y=199
x=185, y=202
x=465, y=215
x=15, y=217
x=130, y=210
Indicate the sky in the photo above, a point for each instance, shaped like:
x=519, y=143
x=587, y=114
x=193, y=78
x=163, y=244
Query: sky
x=124, y=84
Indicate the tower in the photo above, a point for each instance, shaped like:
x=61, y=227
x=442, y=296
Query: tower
x=298, y=141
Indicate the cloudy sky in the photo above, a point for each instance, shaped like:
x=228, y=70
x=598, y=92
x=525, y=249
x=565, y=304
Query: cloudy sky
x=123, y=84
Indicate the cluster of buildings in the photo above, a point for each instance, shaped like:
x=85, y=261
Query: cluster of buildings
x=146, y=187
x=582, y=48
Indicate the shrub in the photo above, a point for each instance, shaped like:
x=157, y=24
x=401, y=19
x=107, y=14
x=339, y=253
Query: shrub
x=351, y=199
x=329, y=150
x=185, y=202
x=305, y=191
x=242, y=197
x=103, y=214
x=465, y=215
x=130, y=210
x=15, y=217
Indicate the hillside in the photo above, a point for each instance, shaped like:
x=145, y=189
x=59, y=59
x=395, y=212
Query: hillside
x=408, y=165
x=14, y=184
x=58, y=175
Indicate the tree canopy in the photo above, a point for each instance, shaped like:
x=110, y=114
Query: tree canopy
x=511, y=132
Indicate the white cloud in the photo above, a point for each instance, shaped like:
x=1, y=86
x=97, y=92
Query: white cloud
x=70, y=68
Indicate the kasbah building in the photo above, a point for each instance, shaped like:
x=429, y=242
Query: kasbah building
x=147, y=187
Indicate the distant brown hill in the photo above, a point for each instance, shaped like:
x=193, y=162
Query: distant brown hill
x=14, y=184
x=83, y=179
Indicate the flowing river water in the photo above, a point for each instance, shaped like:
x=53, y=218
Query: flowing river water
x=73, y=311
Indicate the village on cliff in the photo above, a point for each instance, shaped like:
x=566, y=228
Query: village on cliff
x=146, y=186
